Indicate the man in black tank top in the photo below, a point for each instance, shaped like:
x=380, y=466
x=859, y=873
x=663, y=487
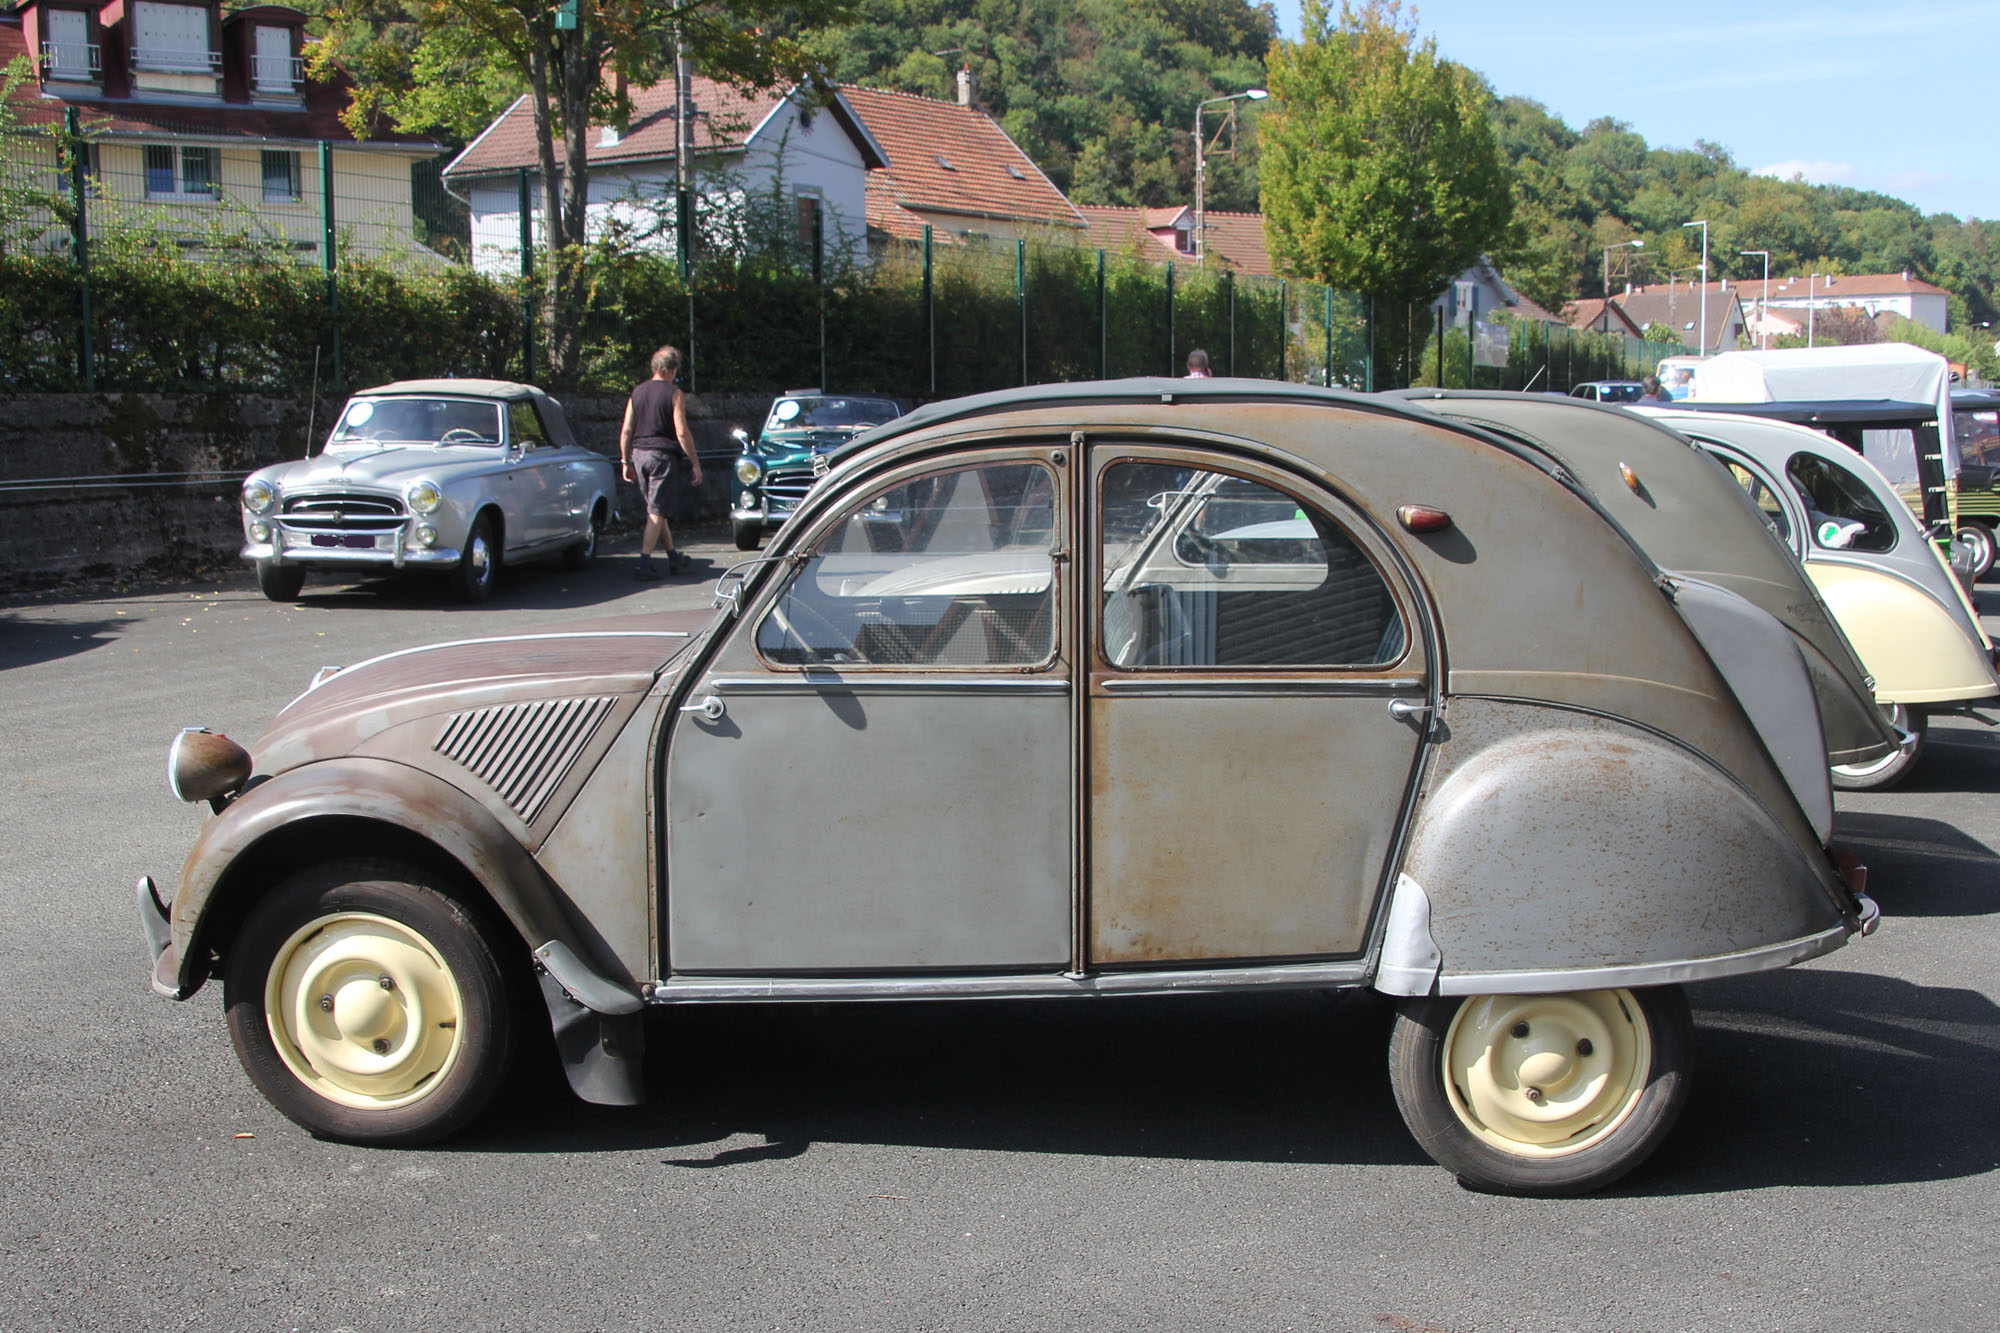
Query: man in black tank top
x=654, y=438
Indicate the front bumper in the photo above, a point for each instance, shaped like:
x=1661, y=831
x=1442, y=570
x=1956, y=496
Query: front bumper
x=396, y=556
x=154, y=917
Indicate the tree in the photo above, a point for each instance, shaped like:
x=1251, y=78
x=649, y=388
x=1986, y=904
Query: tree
x=575, y=57
x=1380, y=172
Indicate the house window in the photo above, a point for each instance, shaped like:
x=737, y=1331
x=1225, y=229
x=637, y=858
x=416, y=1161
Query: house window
x=177, y=172
x=68, y=54
x=88, y=151
x=281, y=177
x=172, y=39
x=1184, y=240
x=809, y=222
x=273, y=68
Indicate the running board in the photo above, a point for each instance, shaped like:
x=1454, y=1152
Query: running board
x=1291, y=976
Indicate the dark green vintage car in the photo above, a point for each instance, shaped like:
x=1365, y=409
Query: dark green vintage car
x=801, y=433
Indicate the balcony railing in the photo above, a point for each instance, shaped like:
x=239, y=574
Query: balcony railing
x=72, y=60
x=277, y=74
x=175, y=60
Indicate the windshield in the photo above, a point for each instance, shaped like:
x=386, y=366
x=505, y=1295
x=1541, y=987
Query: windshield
x=418, y=421
x=1978, y=435
x=792, y=414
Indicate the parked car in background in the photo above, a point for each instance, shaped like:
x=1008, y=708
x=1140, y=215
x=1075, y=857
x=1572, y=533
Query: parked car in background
x=1893, y=596
x=1071, y=691
x=1609, y=391
x=455, y=476
x=1975, y=425
x=801, y=433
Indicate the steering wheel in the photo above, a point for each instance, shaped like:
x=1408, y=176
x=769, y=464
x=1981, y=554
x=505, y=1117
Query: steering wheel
x=461, y=435
x=840, y=647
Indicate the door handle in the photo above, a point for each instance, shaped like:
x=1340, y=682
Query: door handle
x=709, y=706
x=1404, y=711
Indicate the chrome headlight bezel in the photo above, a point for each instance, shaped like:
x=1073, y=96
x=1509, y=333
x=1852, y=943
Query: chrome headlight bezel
x=749, y=470
x=423, y=496
x=259, y=495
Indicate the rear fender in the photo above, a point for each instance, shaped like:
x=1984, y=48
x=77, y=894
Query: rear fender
x=1916, y=649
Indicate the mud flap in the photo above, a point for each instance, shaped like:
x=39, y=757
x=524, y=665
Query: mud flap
x=603, y=1055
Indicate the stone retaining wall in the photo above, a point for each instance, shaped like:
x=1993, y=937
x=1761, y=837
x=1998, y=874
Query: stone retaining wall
x=97, y=486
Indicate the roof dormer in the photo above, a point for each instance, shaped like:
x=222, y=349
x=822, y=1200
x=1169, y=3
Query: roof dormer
x=66, y=41
x=172, y=49
x=263, y=55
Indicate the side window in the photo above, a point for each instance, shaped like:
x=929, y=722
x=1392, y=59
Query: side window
x=526, y=424
x=1841, y=512
x=951, y=569
x=1203, y=569
x=1761, y=496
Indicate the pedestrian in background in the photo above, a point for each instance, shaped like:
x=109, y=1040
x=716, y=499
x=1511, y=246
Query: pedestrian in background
x=1198, y=365
x=651, y=443
x=1653, y=392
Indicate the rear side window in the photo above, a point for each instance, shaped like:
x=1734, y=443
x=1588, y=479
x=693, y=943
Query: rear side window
x=1761, y=496
x=1841, y=512
x=1204, y=569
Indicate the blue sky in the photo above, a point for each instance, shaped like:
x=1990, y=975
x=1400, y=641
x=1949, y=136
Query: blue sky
x=1896, y=97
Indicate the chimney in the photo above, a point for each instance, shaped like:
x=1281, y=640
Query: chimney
x=964, y=87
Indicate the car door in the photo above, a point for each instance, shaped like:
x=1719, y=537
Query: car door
x=883, y=778
x=536, y=479
x=1247, y=777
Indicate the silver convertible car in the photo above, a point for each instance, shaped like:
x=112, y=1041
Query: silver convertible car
x=1086, y=691
x=458, y=476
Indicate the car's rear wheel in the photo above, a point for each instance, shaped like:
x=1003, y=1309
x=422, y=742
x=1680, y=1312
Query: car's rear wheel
x=369, y=1005
x=479, y=563
x=1977, y=539
x=747, y=535
x=1542, y=1094
x=280, y=583
x=1912, y=724
x=579, y=555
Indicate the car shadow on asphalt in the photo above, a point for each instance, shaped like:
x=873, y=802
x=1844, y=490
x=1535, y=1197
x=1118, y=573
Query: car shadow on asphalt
x=1921, y=867
x=25, y=641
x=1807, y=1077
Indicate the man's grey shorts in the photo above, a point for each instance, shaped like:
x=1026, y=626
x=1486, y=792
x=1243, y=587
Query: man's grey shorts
x=658, y=473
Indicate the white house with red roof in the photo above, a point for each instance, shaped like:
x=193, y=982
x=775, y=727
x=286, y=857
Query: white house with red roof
x=1876, y=294
x=746, y=147
x=199, y=120
x=1235, y=240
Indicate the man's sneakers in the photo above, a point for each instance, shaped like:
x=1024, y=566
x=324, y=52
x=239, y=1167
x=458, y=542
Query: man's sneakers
x=647, y=572
x=678, y=562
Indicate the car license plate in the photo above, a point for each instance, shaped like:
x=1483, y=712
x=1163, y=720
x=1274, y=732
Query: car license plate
x=362, y=540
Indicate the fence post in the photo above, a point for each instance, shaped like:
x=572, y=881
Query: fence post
x=684, y=241
x=1021, y=298
x=1328, y=376
x=86, y=367
x=1284, y=300
x=1170, y=319
x=1103, y=324
x=332, y=281
x=1368, y=356
x=1229, y=281
x=527, y=281
x=930, y=313
x=819, y=284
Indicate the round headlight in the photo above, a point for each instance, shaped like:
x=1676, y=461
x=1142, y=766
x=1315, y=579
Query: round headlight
x=203, y=765
x=258, y=495
x=748, y=470
x=424, y=496
x=260, y=532
x=426, y=535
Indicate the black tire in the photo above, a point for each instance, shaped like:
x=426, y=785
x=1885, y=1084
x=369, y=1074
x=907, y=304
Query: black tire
x=280, y=583
x=583, y=553
x=1616, y=1065
x=420, y=1055
x=479, y=562
x=1911, y=722
x=747, y=535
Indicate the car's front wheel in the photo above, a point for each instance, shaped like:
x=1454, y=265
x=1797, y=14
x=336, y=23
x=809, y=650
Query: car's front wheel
x=479, y=563
x=747, y=535
x=1977, y=539
x=1912, y=726
x=1542, y=1094
x=280, y=583
x=580, y=554
x=369, y=1005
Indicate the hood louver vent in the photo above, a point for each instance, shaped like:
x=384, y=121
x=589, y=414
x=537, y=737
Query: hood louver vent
x=523, y=751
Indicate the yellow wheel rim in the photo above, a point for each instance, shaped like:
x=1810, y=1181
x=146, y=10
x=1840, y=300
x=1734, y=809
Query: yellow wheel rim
x=1547, y=1075
x=363, y=1010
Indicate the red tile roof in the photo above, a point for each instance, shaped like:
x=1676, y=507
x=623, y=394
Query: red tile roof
x=215, y=122
x=951, y=159
x=1855, y=285
x=1234, y=239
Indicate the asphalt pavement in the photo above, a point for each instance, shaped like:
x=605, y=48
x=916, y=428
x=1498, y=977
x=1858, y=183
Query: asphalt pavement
x=1190, y=1163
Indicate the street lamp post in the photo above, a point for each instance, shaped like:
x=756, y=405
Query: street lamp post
x=1201, y=165
x=1703, y=224
x=1639, y=244
x=1763, y=302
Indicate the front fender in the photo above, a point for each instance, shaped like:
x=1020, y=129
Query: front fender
x=214, y=880
x=1582, y=852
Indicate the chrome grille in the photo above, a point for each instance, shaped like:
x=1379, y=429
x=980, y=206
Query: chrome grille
x=343, y=512
x=523, y=751
x=784, y=487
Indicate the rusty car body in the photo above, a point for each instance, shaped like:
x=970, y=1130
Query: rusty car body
x=454, y=476
x=1147, y=687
